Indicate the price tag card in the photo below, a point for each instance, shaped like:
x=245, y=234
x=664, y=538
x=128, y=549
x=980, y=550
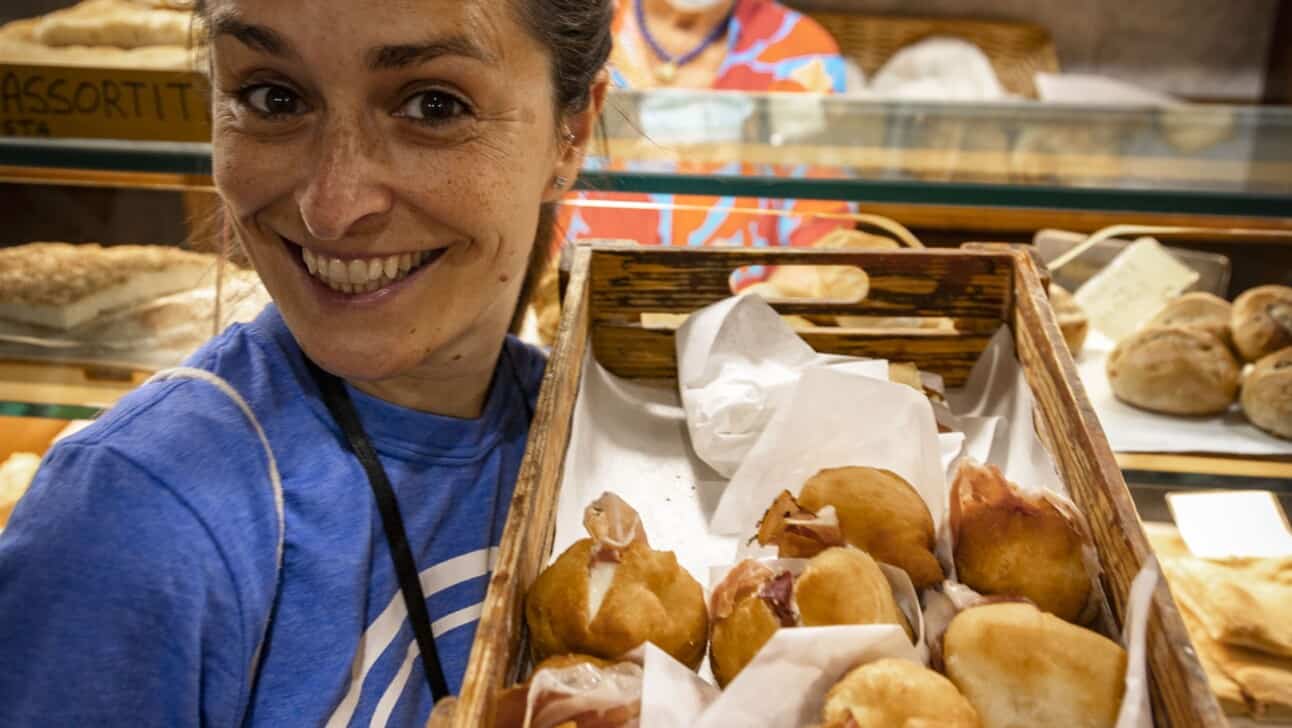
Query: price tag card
x=1134, y=287
x=1232, y=524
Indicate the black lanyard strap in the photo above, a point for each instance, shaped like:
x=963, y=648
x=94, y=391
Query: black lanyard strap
x=343, y=412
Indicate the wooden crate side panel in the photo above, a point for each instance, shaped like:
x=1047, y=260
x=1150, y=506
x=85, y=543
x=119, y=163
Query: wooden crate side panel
x=1182, y=696
x=525, y=543
x=633, y=352
x=972, y=289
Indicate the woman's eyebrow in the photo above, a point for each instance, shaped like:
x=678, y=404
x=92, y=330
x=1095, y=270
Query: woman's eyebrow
x=389, y=58
x=255, y=37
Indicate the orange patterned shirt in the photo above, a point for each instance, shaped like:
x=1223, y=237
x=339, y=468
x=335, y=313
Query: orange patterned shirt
x=769, y=48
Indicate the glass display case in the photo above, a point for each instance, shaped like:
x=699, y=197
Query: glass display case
x=1189, y=160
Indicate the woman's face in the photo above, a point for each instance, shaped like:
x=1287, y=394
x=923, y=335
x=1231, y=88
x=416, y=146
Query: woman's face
x=384, y=163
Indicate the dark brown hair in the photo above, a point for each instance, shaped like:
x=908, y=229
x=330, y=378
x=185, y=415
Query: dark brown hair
x=577, y=36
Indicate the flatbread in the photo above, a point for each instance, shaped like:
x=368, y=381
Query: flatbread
x=1228, y=692
x=1246, y=682
x=61, y=286
x=1241, y=605
x=117, y=23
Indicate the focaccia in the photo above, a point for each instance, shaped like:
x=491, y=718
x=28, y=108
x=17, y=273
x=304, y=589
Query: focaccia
x=119, y=23
x=61, y=286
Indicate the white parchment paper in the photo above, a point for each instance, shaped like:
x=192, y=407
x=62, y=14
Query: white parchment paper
x=784, y=685
x=634, y=439
x=737, y=366
x=836, y=419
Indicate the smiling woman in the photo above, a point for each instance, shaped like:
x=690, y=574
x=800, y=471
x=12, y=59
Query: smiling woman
x=388, y=169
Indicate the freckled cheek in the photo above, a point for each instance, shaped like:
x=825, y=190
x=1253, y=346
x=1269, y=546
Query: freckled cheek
x=250, y=176
x=498, y=215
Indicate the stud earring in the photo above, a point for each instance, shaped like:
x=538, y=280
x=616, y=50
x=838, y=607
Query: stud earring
x=568, y=136
x=560, y=183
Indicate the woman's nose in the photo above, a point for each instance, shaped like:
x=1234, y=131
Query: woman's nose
x=345, y=188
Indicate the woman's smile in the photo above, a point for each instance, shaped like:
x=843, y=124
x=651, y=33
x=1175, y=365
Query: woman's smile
x=362, y=278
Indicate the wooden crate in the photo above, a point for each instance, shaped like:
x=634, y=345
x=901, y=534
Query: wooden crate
x=980, y=289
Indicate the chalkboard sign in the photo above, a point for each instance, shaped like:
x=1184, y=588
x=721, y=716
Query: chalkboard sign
x=103, y=103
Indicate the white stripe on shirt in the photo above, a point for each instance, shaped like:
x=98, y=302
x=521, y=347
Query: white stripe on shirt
x=395, y=689
x=382, y=631
x=386, y=705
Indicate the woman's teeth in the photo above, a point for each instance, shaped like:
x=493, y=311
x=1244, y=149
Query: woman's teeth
x=361, y=275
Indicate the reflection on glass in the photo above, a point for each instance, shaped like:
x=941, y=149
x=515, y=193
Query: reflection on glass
x=1184, y=147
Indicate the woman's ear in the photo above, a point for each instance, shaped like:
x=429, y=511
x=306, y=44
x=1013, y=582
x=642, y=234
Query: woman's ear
x=577, y=133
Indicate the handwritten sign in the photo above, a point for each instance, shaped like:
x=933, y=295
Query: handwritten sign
x=1133, y=288
x=103, y=103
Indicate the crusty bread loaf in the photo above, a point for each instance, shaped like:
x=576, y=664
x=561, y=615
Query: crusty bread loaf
x=1267, y=393
x=1174, y=370
x=1197, y=310
x=1262, y=321
x=1022, y=668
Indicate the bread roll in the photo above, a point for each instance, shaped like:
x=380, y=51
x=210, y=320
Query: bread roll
x=1262, y=321
x=881, y=514
x=1267, y=394
x=1008, y=543
x=1197, y=310
x=1022, y=668
x=608, y=594
x=893, y=693
x=1174, y=370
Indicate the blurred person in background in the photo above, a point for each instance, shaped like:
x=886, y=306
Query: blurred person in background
x=721, y=45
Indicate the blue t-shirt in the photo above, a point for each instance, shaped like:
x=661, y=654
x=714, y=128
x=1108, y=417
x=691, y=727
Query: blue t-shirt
x=138, y=575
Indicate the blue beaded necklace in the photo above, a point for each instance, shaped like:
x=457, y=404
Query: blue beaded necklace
x=666, y=71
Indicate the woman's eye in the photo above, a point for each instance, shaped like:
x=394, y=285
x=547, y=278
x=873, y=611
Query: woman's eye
x=432, y=107
x=272, y=100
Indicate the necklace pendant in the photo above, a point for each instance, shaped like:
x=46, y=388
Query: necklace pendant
x=666, y=72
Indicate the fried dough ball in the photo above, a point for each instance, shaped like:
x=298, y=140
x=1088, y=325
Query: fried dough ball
x=796, y=532
x=845, y=586
x=895, y=693
x=840, y=585
x=1007, y=543
x=606, y=595
x=881, y=514
x=1022, y=668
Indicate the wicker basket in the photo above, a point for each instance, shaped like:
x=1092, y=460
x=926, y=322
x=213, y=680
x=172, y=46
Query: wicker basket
x=1016, y=50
